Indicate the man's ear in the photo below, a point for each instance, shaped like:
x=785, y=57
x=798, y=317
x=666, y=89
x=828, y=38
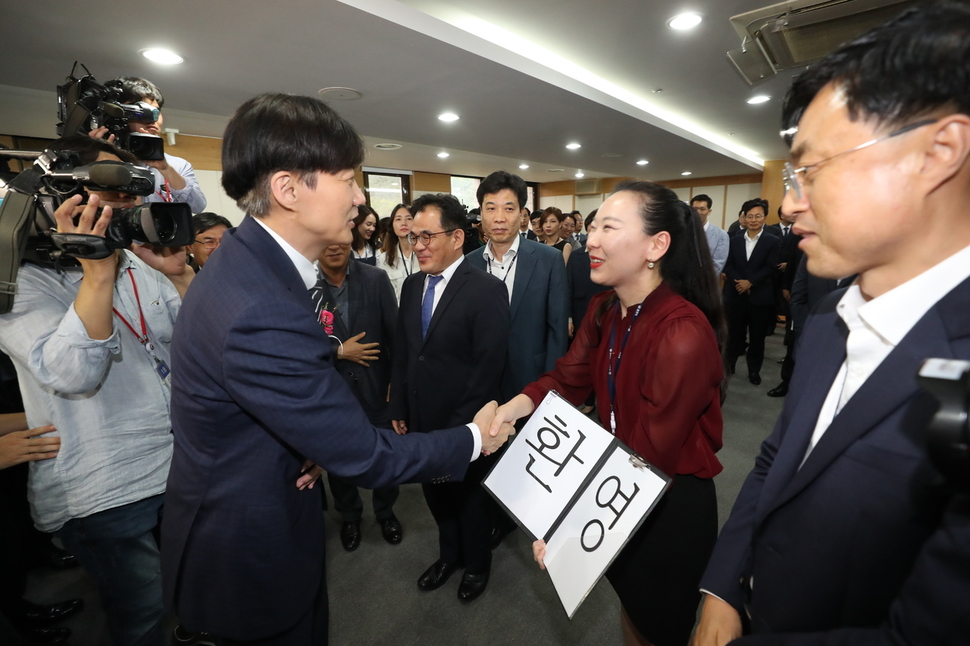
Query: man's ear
x=285, y=187
x=948, y=152
x=459, y=236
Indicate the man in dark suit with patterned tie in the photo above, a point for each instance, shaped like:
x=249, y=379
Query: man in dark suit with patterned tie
x=449, y=356
x=255, y=397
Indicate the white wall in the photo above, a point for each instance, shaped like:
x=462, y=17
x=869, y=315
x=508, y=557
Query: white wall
x=216, y=199
x=586, y=203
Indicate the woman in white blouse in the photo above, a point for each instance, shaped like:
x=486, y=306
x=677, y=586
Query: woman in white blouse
x=396, y=256
x=365, y=246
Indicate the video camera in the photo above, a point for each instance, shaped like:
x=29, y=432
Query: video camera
x=28, y=228
x=948, y=434
x=83, y=104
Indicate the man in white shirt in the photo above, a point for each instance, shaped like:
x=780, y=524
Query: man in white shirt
x=842, y=533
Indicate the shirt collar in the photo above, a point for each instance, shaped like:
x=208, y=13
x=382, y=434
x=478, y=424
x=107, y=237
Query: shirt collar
x=513, y=250
x=451, y=269
x=895, y=313
x=306, y=269
x=754, y=239
x=706, y=225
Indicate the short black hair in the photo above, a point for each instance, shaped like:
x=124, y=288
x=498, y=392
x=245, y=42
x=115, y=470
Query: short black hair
x=88, y=149
x=134, y=89
x=451, y=210
x=910, y=67
x=207, y=220
x=750, y=204
x=702, y=198
x=274, y=132
x=589, y=218
x=500, y=180
x=572, y=216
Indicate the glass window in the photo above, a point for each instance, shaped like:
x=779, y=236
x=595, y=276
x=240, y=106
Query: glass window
x=465, y=189
x=384, y=192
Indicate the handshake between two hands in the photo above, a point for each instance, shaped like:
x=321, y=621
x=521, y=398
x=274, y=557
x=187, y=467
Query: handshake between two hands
x=496, y=424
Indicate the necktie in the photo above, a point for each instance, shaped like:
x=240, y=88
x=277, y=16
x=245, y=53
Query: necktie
x=784, y=231
x=427, y=305
x=316, y=293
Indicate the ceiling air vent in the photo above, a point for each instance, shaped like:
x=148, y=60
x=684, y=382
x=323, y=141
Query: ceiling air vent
x=793, y=34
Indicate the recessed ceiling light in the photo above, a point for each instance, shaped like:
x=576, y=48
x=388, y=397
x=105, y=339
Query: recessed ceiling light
x=580, y=174
x=642, y=162
x=339, y=93
x=684, y=21
x=448, y=116
x=442, y=155
x=686, y=173
x=610, y=155
x=162, y=56
x=555, y=170
x=388, y=146
x=761, y=98
x=523, y=166
x=574, y=146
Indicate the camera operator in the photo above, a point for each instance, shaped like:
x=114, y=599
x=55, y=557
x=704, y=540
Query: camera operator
x=174, y=177
x=91, y=348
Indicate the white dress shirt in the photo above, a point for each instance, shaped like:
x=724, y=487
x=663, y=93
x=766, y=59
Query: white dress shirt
x=505, y=269
x=876, y=327
x=749, y=242
x=439, y=289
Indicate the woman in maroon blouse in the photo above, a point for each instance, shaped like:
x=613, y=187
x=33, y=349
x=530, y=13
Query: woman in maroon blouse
x=650, y=349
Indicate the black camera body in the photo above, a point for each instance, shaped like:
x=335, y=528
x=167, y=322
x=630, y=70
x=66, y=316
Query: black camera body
x=948, y=434
x=83, y=104
x=28, y=226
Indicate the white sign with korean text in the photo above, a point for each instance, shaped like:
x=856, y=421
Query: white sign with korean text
x=599, y=524
x=547, y=464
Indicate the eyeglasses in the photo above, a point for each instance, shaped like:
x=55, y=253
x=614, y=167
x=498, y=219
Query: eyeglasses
x=425, y=237
x=753, y=216
x=790, y=174
x=209, y=243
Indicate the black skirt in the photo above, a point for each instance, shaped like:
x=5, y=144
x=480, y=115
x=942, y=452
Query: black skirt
x=656, y=575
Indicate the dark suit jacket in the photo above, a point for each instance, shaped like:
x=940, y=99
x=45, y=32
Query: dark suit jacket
x=581, y=287
x=372, y=309
x=457, y=368
x=253, y=396
x=759, y=270
x=860, y=545
x=807, y=292
x=540, y=314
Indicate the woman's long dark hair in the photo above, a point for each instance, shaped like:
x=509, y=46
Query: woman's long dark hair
x=389, y=243
x=687, y=266
x=359, y=241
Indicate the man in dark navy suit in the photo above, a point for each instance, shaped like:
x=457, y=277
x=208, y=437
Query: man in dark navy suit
x=256, y=401
x=452, y=333
x=749, y=288
x=843, y=534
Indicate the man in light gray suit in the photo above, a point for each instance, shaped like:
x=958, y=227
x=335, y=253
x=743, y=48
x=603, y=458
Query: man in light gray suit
x=717, y=238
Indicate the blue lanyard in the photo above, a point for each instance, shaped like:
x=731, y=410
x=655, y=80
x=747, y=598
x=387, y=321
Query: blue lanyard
x=612, y=370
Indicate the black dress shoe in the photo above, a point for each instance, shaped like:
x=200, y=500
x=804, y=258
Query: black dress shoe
x=754, y=378
x=780, y=390
x=436, y=575
x=58, y=559
x=391, y=529
x=46, y=636
x=32, y=614
x=350, y=535
x=472, y=586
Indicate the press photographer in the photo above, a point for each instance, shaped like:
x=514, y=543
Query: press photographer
x=91, y=347
x=174, y=177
